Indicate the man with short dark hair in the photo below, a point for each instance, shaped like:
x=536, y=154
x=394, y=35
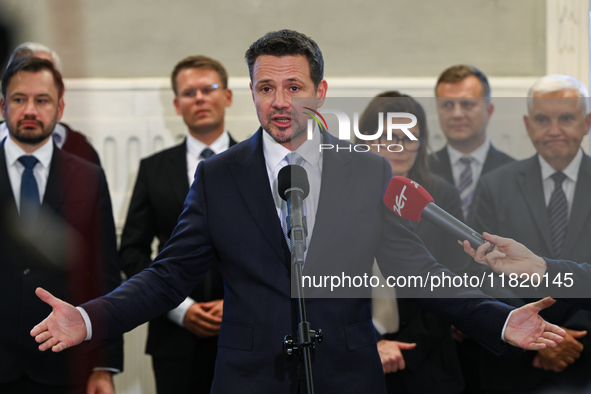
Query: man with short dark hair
x=63, y=135
x=234, y=213
x=56, y=230
x=183, y=342
x=464, y=108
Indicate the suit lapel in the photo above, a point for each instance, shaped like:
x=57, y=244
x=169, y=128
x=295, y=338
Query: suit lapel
x=6, y=195
x=250, y=175
x=581, y=208
x=445, y=165
x=336, y=182
x=491, y=161
x=58, y=177
x=177, y=170
x=530, y=184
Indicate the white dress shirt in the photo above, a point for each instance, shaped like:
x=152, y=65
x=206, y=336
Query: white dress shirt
x=194, y=149
x=16, y=168
x=568, y=185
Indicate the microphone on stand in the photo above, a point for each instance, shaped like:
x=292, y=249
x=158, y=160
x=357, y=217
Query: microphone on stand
x=293, y=187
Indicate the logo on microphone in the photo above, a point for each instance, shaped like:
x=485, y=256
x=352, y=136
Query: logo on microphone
x=400, y=201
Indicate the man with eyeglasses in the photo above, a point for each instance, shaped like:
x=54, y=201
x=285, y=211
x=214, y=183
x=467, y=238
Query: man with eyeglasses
x=464, y=108
x=182, y=343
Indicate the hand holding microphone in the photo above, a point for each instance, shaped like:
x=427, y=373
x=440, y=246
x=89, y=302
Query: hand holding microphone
x=411, y=201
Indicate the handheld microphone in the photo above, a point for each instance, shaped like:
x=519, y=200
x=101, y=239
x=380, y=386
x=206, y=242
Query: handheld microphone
x=293, y=187
x=411, y=201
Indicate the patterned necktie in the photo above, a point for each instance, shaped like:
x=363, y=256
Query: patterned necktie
x=206, y=153
x=558, y=214
x=466, y=185
x=295, y=159
x=29, y=200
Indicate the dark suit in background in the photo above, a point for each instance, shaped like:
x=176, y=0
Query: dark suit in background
x=433, y=365
x=510, y=201
x=72, y=251
x=157, y=201
x=230, y=216
x=440, y=164
x=581, y=277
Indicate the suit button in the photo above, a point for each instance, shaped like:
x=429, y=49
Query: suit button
x=26, y=272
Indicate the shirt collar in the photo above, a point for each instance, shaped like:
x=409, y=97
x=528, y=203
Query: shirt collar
x=195, y=147
x=275, y=152
x=43, y=154
x=571, y=171
x=59, y=135
x=479, y=154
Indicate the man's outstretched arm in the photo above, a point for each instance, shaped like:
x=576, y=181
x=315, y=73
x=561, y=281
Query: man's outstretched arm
x=511, y=257
x=65, y=326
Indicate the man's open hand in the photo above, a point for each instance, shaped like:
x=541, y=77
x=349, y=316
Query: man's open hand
x=63, y=328
x=527, y=330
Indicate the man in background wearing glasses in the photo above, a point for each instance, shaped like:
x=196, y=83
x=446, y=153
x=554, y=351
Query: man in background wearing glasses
x=182, y=343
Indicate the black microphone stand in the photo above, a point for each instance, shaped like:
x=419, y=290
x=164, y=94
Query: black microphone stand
x=305, y=345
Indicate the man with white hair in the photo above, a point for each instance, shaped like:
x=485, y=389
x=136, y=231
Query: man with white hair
x=63, y=135
x=543, y=202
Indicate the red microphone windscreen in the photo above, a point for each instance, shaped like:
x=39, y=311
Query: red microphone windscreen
x=406, y=198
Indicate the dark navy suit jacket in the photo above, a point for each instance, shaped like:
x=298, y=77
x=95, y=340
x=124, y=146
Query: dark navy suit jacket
x=230, y=216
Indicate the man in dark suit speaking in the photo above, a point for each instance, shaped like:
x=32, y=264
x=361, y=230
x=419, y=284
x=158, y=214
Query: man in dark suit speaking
x=56, y=231
x=183, y=342
x=233, y=214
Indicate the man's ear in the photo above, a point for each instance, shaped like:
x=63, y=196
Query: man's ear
x=177, y=105
x=321, y=92
x=60, y=107
x=229, y=96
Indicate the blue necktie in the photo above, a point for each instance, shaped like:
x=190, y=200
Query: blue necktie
x=206, y=153
x=558, y=214
x=29, y=201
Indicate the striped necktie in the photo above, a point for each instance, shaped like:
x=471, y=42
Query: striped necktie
x=466, y=185
x=558, y=214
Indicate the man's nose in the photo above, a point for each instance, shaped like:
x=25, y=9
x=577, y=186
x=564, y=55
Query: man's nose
x=456, y=110
x=282, y=100
x=30, y=108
